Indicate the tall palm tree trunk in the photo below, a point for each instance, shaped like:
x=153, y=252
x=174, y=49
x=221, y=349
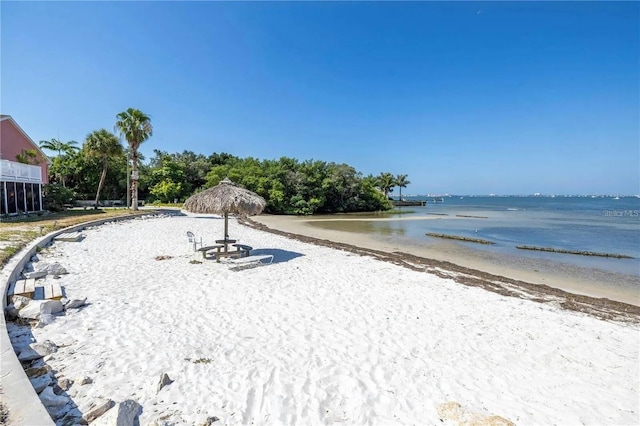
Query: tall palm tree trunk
x=134, y=181
x=103, y=176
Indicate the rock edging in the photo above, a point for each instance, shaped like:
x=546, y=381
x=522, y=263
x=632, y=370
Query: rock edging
x=21, y=402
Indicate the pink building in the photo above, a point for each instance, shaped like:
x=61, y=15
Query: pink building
x=20, y=184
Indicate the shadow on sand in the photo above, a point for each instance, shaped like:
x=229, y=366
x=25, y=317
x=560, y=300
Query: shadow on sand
x=279, y=256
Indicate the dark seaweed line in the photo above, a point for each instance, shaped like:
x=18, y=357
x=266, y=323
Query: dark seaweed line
x=581, y=253
x=475, y=217
x=456, y=237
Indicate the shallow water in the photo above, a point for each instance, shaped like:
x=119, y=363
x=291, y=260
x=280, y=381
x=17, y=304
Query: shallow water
x=603, y=225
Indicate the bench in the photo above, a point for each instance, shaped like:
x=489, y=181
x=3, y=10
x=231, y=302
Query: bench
x=248, y=260
x=28, y=288
x=25, y=288
x=205, y=249
x=240, y=251
x=49, y=291
x=225, y=241
x=245, y=249
x=69, y=236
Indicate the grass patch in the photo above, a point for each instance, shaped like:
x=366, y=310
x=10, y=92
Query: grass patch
x=10, y=251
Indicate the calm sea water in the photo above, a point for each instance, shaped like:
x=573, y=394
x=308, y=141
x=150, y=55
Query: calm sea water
x=602, y=224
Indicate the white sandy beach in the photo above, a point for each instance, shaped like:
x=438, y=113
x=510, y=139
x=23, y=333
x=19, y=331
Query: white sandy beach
x=586, y=281
x=320, y=336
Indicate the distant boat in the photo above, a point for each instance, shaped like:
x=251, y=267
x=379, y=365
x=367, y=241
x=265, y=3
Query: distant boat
x=616, y=197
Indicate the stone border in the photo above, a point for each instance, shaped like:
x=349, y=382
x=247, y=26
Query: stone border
x=20, y=399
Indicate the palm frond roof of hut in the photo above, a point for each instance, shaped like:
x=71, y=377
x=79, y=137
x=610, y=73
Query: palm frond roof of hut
x=226, y=197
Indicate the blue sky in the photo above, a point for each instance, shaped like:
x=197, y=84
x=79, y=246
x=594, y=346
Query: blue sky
x=464, y=97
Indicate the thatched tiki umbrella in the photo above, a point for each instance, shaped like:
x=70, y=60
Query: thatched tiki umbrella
x=224, y=198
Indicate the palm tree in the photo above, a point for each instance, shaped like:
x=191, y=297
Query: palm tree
x=136, y=128
x=57, y=145
x=104, y=145
x=386, y=182
x=402, y=182
x=28, y=156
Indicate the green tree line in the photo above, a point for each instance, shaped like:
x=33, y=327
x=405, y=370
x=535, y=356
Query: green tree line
x=97, y=170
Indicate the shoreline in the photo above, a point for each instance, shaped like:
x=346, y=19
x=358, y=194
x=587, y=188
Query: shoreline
x=583, y=282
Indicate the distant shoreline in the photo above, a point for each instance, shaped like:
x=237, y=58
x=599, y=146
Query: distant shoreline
x=578, y=280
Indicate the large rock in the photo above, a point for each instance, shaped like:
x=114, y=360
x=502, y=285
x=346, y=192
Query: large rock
x=452, y=411
x=497, y=421
x=20, y=302
x=72, y=418
x=75, y=303
x=37, y=371
x=11, y=312
x=37, y=307
x=28, y=354
x=83, y=380
x=54, y=268
x=59, y=413
x=123, y=414
x=65, y=384
x=35, y=274
x=96, y=409
x=45, y=319
x=41, y=382
x=164, y=381
x=50, y=399
x=44, y=348
x=17, y=302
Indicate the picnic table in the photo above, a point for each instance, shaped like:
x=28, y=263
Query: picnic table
x=226, y=243
x=222, y=249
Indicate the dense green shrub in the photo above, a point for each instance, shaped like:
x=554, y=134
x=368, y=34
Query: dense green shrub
x=55, y=197
x=293, y=187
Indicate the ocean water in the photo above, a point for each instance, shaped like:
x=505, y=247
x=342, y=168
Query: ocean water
x=602, y=224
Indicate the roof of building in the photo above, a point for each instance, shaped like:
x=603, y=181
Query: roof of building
x=4, y=117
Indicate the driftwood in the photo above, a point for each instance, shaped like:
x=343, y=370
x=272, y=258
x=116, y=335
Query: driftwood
x=578, y=252
x=459, y=238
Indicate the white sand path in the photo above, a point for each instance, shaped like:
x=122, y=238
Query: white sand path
x=321, y=336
